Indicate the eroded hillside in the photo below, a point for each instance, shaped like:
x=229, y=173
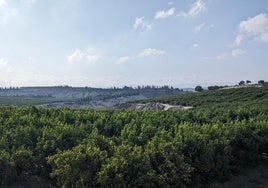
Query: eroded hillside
x=80, y=97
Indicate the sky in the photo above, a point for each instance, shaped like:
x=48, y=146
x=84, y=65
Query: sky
x=104, y=43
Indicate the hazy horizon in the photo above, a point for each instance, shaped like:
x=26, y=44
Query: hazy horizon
x=98, y=43
x=181, y=86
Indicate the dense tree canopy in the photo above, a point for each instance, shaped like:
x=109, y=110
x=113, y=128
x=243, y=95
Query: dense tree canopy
x=226, y=131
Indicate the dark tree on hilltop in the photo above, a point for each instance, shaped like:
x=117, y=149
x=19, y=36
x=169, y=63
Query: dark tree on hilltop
x=198, y=88
x=213, y=87
x=241, y=83
x=248, y=82
x=261, y=82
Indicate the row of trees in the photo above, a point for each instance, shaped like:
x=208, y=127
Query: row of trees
x=248, y=82
x=114, y=88
x=121, y=148
x=241, y=83
x=227, y=97
x=210, y=88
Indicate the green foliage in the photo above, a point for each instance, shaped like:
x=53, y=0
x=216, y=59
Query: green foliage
x=128, y=167
x=241, y=83
x=24, y=163
x=7, y=172
x=198, y=88
x=213, y=87
x=261, y=82
x=26, y=101
x=226, y=131
x=220, y=98
x=77, y=167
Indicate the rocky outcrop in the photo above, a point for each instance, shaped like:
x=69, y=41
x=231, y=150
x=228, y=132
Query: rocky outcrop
x=157, y=106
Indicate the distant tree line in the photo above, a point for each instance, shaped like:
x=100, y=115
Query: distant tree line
x=248, y=82
x=241, y=83
x=210, y=88
x=9, y=88
x=146, y=87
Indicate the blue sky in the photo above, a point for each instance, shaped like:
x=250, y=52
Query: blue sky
x=104, y=43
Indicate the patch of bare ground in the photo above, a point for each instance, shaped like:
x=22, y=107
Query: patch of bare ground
x=158, y=106
x=250, y=178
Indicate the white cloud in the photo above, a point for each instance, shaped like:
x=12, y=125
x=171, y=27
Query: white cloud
x=239, y=38
x=200, y=27
x=170, y=3
x=144, y=53
x=222, y=56
x=195, y=9
x=28, y=1
x=195, y=45
x=6, y=12
x=92, y=58
x=264, y=37
x=3, y=63
x=30, y=59
x=256, y=27
x=91, y=49
x=79, y=55
x=2, y=2
x=4, y=66
x=142, y=25
x=237, y=52
x=203, y=26
x=164, y=14
x=225, y=56
x=123, y=59
x=152, y=51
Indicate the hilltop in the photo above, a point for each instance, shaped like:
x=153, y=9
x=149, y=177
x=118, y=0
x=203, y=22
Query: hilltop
x=220, y=97
x=80, y=97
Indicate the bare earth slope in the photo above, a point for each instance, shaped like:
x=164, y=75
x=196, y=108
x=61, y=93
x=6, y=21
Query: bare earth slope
x=154, y=106
x=80, y=97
